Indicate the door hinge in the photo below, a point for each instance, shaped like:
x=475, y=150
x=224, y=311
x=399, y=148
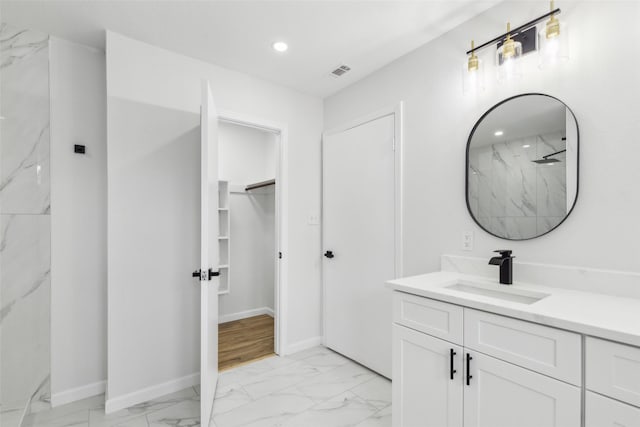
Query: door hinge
x=279, y=255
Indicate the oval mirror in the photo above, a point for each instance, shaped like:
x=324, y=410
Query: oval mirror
x=522, y=167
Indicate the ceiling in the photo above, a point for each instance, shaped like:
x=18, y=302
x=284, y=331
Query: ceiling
x=365, y=35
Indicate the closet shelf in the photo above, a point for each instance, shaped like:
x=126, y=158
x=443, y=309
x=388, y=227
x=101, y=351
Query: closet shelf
x=260, y=184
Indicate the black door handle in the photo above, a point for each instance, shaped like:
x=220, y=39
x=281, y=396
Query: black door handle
x=329, y=254
x=451, y=370
x=196, y=273
x=213, y=273
x=469, y=376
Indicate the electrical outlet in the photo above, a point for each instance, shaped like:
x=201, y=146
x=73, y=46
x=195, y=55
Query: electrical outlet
x=467, y=241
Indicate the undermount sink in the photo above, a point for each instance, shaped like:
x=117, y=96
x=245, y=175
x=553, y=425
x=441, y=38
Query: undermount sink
x=507, y=294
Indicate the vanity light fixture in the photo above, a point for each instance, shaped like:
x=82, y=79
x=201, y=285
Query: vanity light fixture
x=280, y=47
x=553, y=40
x=473, y=72
x=498, y=133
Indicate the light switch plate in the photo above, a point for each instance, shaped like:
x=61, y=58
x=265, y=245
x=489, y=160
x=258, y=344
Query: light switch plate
x=467, y=241
x=314, y=219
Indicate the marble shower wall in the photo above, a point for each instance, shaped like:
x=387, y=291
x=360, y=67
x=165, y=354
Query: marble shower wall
x=513, y=197
x=25, y=224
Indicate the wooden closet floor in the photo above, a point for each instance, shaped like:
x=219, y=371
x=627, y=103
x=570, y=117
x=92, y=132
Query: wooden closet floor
x=243, y=341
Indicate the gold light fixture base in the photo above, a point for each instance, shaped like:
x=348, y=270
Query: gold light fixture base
x=552, y=28
x=474, y=63
x=509, y=45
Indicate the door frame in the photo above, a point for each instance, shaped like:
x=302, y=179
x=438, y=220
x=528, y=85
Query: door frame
x=282, y=210
x=396, y=111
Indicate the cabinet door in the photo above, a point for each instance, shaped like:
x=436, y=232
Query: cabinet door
x=427, y=380
x=604, y=412
x=613, y=370
x=500, y=394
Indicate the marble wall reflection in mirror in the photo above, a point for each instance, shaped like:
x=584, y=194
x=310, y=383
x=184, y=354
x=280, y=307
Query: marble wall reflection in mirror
x=522, y=167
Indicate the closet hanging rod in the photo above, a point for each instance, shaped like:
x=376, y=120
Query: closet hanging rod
x=260, y=184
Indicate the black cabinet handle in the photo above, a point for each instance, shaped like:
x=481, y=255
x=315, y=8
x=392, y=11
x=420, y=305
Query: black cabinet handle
x=469, y=376
x=451, y=370
x=329, y=254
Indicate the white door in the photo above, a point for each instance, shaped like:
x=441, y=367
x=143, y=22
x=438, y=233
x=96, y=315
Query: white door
x=428, y=380
x=209, y=255
x=601, y=411
x=500, y=394
x=359, y=241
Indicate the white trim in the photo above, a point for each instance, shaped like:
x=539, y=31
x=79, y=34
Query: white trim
x=397, y=112
x=282, y=209
x=245, y=314
x=78, y=393
x=150, y=393
x=302, y=345
x=399, y=183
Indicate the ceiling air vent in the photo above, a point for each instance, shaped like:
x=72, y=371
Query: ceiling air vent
x=338, y=72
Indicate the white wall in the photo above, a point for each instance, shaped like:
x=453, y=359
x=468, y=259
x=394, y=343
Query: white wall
x=78, y=222
x=252, y=256
x=153, y=100
x=248, y=156
x=600, y=84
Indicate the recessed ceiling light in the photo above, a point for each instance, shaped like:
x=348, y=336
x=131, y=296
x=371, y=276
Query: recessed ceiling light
x=526, y=146
x=280, y=46
x=498, y=133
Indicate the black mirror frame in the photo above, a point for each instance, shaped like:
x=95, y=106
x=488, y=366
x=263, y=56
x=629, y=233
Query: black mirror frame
x=466, y=174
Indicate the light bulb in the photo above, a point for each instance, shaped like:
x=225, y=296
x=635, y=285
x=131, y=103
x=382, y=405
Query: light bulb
x=507, y=57
x=553, y=41
x=472, y=73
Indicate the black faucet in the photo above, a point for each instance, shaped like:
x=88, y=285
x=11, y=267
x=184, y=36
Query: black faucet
x=505, y=261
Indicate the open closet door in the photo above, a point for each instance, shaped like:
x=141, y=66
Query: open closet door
x=209, y=255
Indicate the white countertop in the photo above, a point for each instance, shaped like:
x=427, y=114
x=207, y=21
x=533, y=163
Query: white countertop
x=598, y=315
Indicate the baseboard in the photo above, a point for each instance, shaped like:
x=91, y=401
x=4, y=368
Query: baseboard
x=302, y=345
x=245, y=314
x=150, y=393
x=78, y=393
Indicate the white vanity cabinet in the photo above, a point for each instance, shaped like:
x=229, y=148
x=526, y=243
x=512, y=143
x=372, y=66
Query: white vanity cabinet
x=497, y=373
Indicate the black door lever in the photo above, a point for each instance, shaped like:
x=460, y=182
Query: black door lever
x=329, y=254
x=213, y=273
x=196, y=273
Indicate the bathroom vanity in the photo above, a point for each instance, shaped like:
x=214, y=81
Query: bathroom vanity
x=468, y=351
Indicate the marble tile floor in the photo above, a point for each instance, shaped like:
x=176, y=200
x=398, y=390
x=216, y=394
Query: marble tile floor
x=315, y=387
